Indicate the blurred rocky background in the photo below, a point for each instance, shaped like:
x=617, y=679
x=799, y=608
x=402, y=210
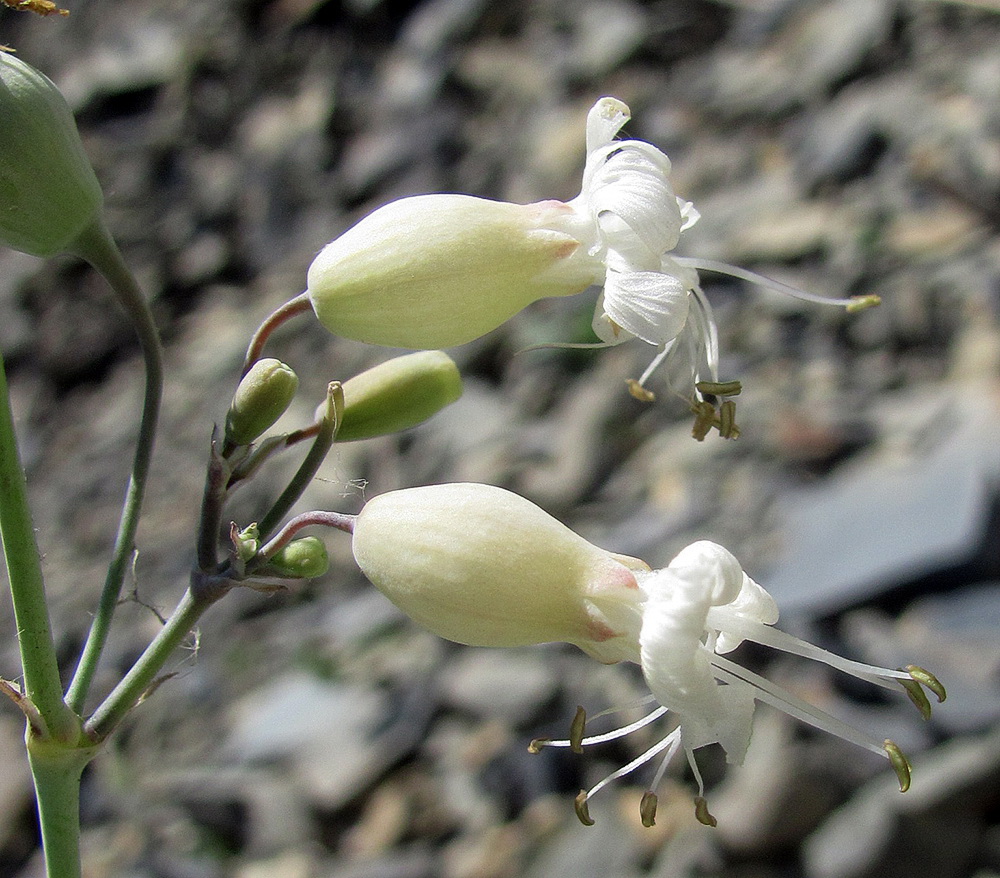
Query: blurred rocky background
x=845, y=146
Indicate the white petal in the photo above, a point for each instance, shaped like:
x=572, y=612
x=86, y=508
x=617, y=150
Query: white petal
x=689, y=214
x=753, y=603
x=650, y=305
x=605, y=328
x=606, y=118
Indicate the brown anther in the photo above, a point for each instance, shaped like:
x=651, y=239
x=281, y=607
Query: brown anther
x=720, y=388
x=582, y=812
x=39, y=7
x=637, y=391
x=860, y=303
x=704, y=419
x=727, y=420
x=576, y=729
x=647, y=808
x=900, y=764
x=538, y=744
x=702, y=814
x=927, y=679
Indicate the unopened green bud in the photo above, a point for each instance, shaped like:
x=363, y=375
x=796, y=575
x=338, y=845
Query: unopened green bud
x=262, y=397
x=398, y=394
x=49, y=194
x=300, y=559
x=432, y=271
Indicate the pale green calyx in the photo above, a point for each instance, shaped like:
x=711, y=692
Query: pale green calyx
x=482, y=566
x=398, y=394
x=433, y=271
x=261, y=398
x=49, y=194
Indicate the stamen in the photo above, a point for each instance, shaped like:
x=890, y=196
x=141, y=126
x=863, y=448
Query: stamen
x=853, y=303
x=647, y=808
x=538, y=744
x=637, y=391
x=785, y=701
x=901, y=765
x=704, y=419
x=927, y=679
x=727, y=420
x=580, y=806
x=669, y=741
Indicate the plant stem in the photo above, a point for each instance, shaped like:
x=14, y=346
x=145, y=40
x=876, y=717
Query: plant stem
x=34, y=632
x=97, y=247
x=300, y=304
x=56, y=771
x=144, y=672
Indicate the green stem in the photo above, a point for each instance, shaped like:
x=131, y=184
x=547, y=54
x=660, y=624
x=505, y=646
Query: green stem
x=34, y=632
x=325, y=436
x=56, y=771
x=144, y=672
x=97, y=247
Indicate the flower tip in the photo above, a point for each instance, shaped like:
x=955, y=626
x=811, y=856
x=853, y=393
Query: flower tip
x=926, y=678
x=860, y=303
x=647, y=809
x=702, y=814
x=900, y=764
x=582, y=811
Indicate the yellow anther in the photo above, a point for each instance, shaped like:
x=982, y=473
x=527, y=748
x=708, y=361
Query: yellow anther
x=576, y=729
x=582, y=812
x=720, y=388
x=860, y=303
x=917, y=696
x=927, y=679
x=647, y=808
x=900, y=764
x=637, y=391
x=538, y=744
x=701, y=812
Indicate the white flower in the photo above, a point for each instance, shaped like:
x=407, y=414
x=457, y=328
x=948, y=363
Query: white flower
x=482, y=566
x=694, y=611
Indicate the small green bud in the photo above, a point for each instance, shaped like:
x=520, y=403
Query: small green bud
x=300, y=559
x=246, y=542
x=432, y=271
x=49, y=194
x=263, y=396
x=398, y=394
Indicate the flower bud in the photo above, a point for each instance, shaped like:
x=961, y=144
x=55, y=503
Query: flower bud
x=262, y=397
x=483, y=566
x=398, y=394
x=300, y=559
x=432, y=271
x=49, y=194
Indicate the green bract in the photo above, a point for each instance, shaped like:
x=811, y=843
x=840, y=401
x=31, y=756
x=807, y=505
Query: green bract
x=48, y=191
x=262, y=397
x=398, y=394
x=434, y=271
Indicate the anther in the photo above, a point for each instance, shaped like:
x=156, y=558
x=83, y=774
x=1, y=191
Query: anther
x=727, y=420
x=900, y=764
x=927, y=679
x=860, y=303
x=701, y=812
x=538, y=744
x=704, y=419
x=637, y=391
x=582, y=811
x=647, y=808
x=576, y=729
x=720, y=388
x=916, y=694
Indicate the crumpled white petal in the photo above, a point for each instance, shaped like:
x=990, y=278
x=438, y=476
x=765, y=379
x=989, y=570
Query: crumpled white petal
x=646, y=304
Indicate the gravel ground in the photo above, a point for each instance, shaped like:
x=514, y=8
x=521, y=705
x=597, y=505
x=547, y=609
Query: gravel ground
x=845, y=146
